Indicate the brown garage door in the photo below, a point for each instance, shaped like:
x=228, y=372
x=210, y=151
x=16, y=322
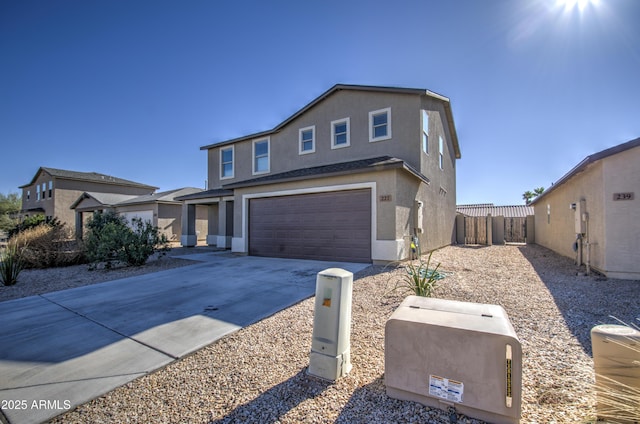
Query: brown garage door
x=322, y=226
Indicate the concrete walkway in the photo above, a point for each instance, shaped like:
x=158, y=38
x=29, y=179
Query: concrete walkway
x=62, y=349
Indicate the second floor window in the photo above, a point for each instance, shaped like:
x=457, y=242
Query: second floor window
x=226, y=163
x=28, y=194
x=38, y=192
x=380, y=125
x=441, y=152
x=340, y=133
x=261, y=156
x=425, y=132
x=307, y=140
x=50, y=188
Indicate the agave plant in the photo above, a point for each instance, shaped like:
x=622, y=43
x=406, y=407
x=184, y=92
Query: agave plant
x=419, y=278
x=11, y=264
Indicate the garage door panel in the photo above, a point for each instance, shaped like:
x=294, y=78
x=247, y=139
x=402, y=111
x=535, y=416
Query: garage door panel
x=325, y=226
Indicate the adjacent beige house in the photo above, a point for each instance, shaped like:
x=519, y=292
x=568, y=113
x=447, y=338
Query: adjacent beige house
x=161, y=209
x=351, y=176
x=593, y=212
x=51, y=192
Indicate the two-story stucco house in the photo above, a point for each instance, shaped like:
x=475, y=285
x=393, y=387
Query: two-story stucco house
x=51, y=192
x=592, y=212
x=351, y=176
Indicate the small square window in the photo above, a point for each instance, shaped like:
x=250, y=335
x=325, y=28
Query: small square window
x=380, y=125
x=340, y=133
x=261, y=163
x=307, y=140
x=226, y=163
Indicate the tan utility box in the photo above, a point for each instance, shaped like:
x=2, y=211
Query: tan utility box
x=445, y=353
x=330, y=356
x=616, y=360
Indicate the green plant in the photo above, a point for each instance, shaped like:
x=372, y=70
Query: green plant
x=110, y=239
x=33, y=221
x=11, y=265
x=419, y=278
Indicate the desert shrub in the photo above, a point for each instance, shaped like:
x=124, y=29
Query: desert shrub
x=32, y=222
x=46, y=246
x=110, y=240
x=10, y=265
x=419, y=278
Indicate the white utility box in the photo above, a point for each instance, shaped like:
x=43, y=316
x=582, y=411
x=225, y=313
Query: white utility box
x=616, y=360
x=445, y=353
x=330, y=357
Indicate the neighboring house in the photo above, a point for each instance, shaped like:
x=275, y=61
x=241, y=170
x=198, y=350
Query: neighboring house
x=351, y=176
x=593, y=212
x=508, y=224
x=161, y=209
x=51, y=192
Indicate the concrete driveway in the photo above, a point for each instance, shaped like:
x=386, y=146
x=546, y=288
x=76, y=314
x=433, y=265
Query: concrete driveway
x=62, y=349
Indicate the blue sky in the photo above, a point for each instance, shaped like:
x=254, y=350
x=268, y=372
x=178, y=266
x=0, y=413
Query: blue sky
x=134, y=88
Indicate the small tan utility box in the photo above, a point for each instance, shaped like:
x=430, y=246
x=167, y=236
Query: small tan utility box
x=330, y=356
x=616, y=360
x=445, y=353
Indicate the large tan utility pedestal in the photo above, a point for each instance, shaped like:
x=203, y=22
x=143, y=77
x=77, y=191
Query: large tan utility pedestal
x=444, y=353
x=616, y=360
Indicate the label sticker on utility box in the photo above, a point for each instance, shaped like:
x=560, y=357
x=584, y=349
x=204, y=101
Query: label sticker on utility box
x=444, y=388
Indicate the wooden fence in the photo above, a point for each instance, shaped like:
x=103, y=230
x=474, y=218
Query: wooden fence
x=474, y=230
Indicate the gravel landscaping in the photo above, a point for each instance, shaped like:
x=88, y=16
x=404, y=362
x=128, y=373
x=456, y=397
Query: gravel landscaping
x=258, y=373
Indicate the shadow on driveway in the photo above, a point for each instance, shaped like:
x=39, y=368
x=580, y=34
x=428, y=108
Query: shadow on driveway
x=584, y=301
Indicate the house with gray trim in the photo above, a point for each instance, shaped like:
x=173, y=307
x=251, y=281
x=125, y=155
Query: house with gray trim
x=352, y=176
x=592, y=213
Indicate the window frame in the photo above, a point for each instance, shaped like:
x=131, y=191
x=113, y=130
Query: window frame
x=372, y=115
x=222, y=163
x=301, y=142
x=254, y=157
x=50, y=189
x=38, y=192
x=441, y=152
x=425, y=131
x=336, y=122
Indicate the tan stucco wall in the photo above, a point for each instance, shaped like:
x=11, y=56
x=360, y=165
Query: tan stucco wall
x=558, y=232
x=622, y=218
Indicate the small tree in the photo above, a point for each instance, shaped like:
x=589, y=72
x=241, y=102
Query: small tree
x=110, y=239
x=10, y=205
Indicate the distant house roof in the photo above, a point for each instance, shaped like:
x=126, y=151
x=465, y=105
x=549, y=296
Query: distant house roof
x=162, y=197
x=93, y=177
x=342, y=87
x=588, y=161
x=110, y=199
x=484, y=209
x=342, y=168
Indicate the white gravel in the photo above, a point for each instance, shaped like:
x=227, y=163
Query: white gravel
x=258, y=373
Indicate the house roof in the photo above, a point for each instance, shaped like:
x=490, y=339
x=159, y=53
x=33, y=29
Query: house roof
x=484, y=209
x=106, y=199
x=93, y=177
x=205, y=194
x=162, y=197
x=342, y=87
x=334, y=169
x=588, y=161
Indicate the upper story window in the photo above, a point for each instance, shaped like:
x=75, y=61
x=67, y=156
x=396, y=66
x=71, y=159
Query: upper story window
x=38, y=192
x=340, y=133
x=226, y=163
x=28, y=194
x=441, y=152
x=261, y=162
x=380, y=124
x=50, y=188
x=425, y=132
x=307, y=140
x=44, y=189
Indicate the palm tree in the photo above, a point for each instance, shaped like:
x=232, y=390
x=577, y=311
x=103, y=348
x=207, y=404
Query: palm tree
x=527, y=196
x=538, y=191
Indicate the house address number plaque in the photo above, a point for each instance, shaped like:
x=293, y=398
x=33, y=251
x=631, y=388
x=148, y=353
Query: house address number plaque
x=623, y=196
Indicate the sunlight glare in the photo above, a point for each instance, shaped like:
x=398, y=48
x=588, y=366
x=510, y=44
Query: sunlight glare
x=569, y=5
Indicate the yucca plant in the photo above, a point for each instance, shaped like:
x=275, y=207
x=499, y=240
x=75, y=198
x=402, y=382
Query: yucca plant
x=11, y=264
x=419, y=278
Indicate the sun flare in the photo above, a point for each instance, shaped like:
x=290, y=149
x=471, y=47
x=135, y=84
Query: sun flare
x=569, y=5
